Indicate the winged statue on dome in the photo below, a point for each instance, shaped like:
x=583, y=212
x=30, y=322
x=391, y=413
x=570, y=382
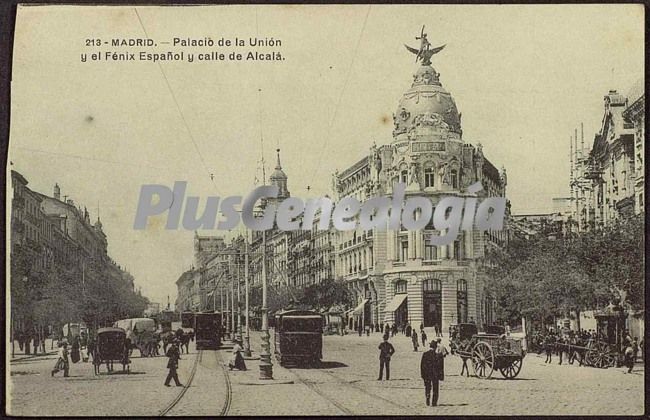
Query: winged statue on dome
x=425, y=52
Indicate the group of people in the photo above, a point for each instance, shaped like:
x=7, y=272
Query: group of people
x=571, y=344
x=432, y=366
x=174, y=355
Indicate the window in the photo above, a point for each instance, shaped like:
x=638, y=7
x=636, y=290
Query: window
x=400, y=286
x=404, y=250
x=404, y=176
x=429, y=177
x=432, y=285
x=430, y=251
x=461, y=299
x=462, y=285
x=458, y=252
x=454, y=178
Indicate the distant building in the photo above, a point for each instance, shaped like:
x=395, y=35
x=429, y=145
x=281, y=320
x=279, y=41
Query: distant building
x=152, y=309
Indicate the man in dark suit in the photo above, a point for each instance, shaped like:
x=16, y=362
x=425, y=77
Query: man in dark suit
x=174, y=356
x=386, y=351
x=431, y=373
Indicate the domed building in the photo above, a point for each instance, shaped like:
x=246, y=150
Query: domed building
x=398, y=276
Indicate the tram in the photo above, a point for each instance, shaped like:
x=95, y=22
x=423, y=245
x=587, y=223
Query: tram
x=299, y=337
x=187, y=319
x=207, y=330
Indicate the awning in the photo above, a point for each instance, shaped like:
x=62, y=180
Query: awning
x=395, y=302
x=359, y=308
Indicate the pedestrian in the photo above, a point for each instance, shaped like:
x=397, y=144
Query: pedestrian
x=386, y=351
x=360, y=330
x=414, y=340
x=423, y=336
x=548, y=346
x=75, y=354
x=386, y=329
x=421, y=327
x=62, y=363
x=394, y=330
x=237, y=360
x=408, y=329
x=629, y=357
x=464, y=369
x=172, y=364
x=559, y=345
x=431, y=375
x=368, y=327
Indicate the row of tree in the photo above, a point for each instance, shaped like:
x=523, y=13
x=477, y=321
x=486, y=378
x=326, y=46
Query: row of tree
x=97, y=292
x=544, y=277
x=317, y=296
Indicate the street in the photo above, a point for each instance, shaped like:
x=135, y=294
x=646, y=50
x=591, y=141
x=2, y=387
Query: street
x=346, y=383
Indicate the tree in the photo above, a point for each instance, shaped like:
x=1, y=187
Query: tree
x=325, y=294
x=543, y=277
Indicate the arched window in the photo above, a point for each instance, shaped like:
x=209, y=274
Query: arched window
x=429, y=177
x=400, y=286
x=454, y=178
x=403, y=176
x=432, y=285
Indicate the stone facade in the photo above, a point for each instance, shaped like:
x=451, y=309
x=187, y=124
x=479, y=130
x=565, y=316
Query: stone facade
x=443, y=285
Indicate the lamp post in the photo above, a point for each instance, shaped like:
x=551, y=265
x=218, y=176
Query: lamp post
x=266, y=367
x=233, y=326
x=247, y=338
x=239, y=326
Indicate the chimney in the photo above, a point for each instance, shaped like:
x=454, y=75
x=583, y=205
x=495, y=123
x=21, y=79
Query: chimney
x=57, y=191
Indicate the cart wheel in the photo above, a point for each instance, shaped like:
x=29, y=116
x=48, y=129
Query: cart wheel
x=511, y=371
x=599, y=355
x=483, y=360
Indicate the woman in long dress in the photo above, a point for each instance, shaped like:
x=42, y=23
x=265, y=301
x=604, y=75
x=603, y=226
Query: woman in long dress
x=237, y=360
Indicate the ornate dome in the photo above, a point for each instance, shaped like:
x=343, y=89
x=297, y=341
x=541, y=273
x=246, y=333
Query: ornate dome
x=426, y=103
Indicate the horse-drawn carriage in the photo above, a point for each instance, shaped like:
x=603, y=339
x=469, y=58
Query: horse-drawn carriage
x=607, y=347
x=111, y=346
x=142, y=333
x=489, y=351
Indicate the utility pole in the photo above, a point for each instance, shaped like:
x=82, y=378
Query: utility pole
x=266, y=367
x=233, y=328
x=247, y=338
x=239, y=337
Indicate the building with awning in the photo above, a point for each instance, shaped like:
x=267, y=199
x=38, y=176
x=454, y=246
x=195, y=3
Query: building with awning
x=397, y=275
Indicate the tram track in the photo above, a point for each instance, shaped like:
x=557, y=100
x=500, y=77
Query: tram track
x=314, y=388
x=180, y=395
x=364, y=391
x=341, y=381
x=226, y=375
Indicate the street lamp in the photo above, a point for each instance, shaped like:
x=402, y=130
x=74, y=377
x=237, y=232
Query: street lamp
x=266, y=367
x=247, y=338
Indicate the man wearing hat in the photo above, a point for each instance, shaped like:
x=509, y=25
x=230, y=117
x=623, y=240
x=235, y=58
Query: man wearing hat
x=172, y=364
x=386, y=351
x=430, y=371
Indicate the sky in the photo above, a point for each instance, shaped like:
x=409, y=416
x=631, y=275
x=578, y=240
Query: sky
x=524, y=77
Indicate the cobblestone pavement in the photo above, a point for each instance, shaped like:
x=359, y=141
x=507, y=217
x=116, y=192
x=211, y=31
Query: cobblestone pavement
x=346, y=383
